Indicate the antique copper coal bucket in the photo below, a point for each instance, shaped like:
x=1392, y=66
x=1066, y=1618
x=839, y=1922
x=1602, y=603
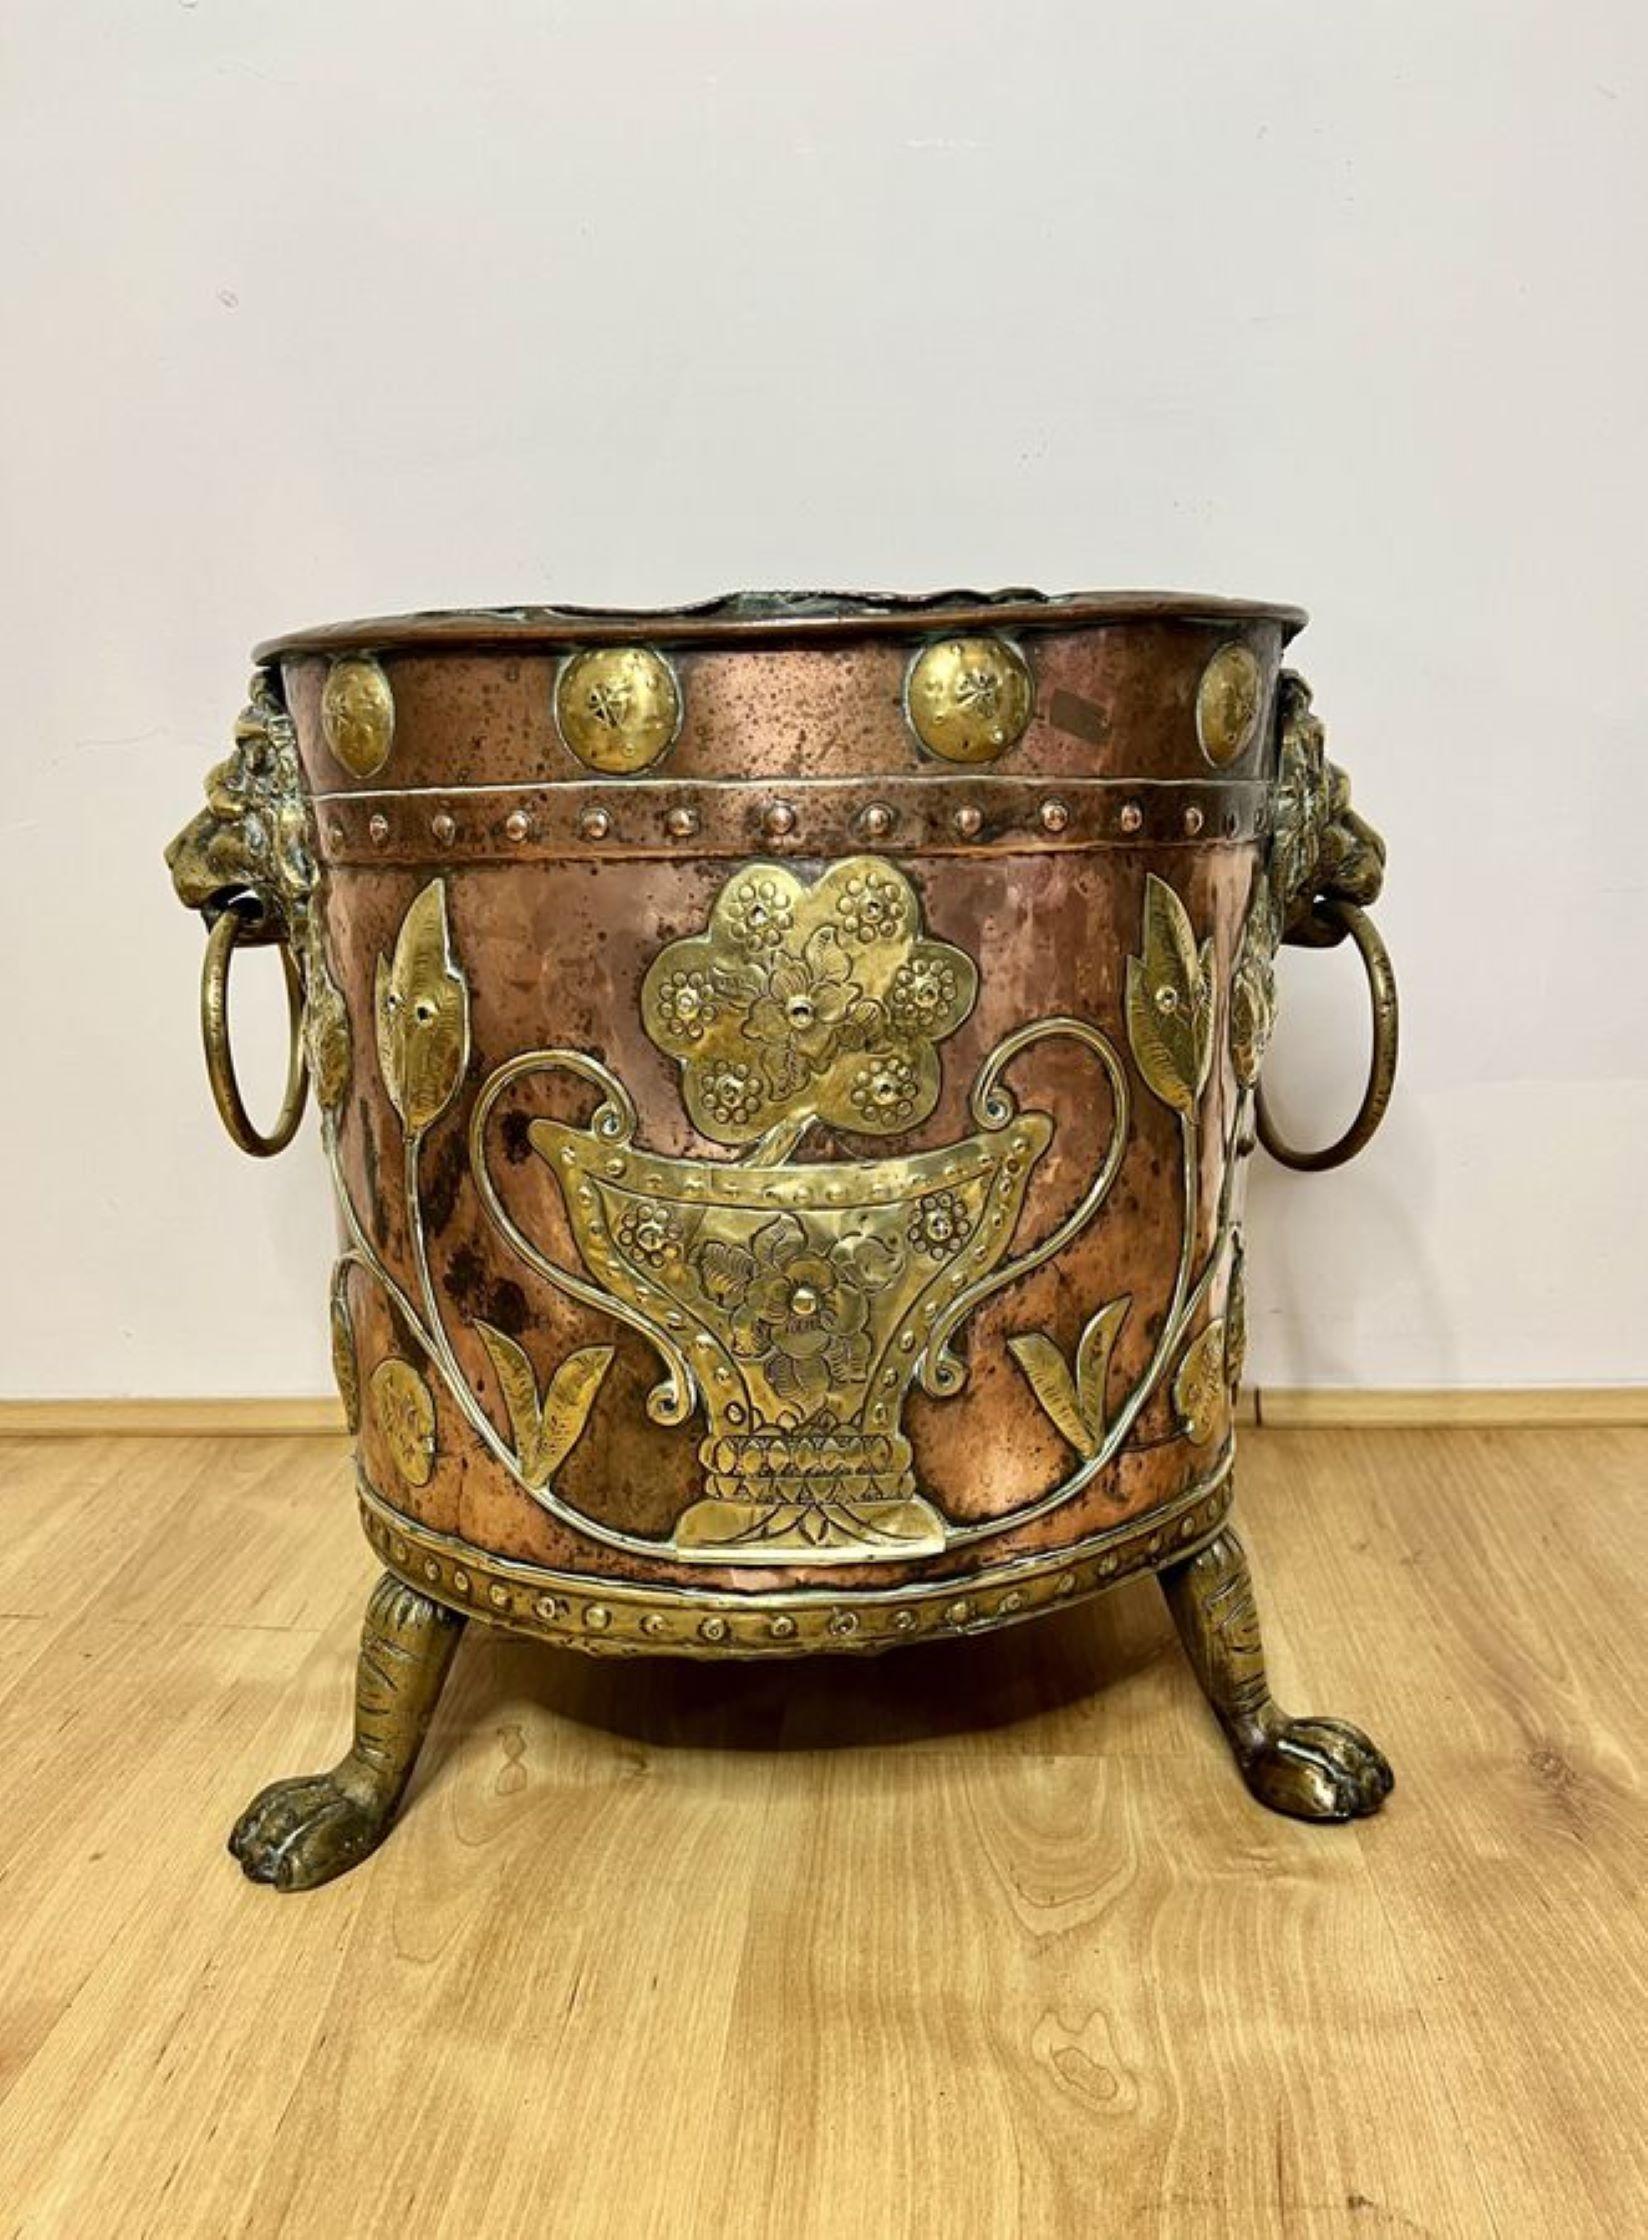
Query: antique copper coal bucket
x=787, y=1070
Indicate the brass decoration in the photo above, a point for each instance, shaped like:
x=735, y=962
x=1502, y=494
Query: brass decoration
x=422, y=1013
x=357, y=714
x=1325, y=864
x=1236, y=1318
x=969, y=699
x=1228, y=704
x=345, y=1358
x=1200, y=1394
x=1170, y=1001
x=1253, y=985
x=1076, y=1401
x=804, y=1290
x=797, y=1303
x=221, y=944
x=405, y=1410
x=1311, y=1769
x=804, y=1003
x=547, y=1429
x=618, y=708
x=1170, y=1027
x=1321, y=849
x=299, y=1833
x=326, y=1025
x=251, y=842
x=618, y=1617
x=246, y=862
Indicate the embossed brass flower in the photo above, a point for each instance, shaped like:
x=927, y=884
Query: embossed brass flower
x=800, y=1305
x=809, y=1002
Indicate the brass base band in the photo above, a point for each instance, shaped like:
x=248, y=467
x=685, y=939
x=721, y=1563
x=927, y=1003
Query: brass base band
x=626, y=1618
x=663, y=816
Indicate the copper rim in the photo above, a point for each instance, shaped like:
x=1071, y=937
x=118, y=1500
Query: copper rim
x=773, y=617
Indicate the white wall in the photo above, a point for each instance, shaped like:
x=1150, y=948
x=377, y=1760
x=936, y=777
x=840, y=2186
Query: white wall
x=320, y=309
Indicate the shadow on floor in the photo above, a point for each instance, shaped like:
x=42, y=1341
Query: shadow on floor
x=920, y=1694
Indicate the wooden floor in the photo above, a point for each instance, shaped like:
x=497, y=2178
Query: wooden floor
x=983, y=1938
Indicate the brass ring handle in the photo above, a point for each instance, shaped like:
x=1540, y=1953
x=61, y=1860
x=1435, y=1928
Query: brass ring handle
x=1382, y=1066
x=220, y=1065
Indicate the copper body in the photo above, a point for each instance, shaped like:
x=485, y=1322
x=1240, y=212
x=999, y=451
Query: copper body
x=794, y=746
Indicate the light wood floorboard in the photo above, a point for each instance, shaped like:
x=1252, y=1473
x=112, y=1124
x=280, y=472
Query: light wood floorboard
x=983, y=1938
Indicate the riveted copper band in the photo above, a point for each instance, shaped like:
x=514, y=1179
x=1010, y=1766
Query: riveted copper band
x=624, y=1618
x=821, y=816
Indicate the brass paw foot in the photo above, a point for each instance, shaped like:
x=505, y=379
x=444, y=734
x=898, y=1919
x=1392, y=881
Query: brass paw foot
x=1318, y=1769
x=1311, y=1769
x=298, y=1833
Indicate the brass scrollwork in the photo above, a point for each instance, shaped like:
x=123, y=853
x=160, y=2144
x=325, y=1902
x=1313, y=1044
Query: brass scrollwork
x=796, y=1303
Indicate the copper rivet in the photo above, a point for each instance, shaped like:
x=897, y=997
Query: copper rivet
x=597, y=1617
x=714, y=1629
x=594, y=824
x=969, y=822
x=959, y=1613
x=682, y=822
x=1132, y=816
x=876, y=821
x=517, y=825
x=778, y=820
x=1233, y=824
x=378, y=828
x=334, y=833
x=1054, y=816
x=444, y=828
x=782, y=1628
x=1193, y=820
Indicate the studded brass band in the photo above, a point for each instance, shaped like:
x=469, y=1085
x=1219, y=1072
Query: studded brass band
x=624, y=1618
x=820, y=816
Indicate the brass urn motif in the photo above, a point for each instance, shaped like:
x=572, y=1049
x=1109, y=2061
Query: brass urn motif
x=786, y=1208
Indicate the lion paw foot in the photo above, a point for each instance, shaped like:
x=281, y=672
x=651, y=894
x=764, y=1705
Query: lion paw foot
x=1319, y=1769
x=299, y=1833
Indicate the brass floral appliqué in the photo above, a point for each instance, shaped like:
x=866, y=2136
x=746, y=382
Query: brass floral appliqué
x=802, y=1003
